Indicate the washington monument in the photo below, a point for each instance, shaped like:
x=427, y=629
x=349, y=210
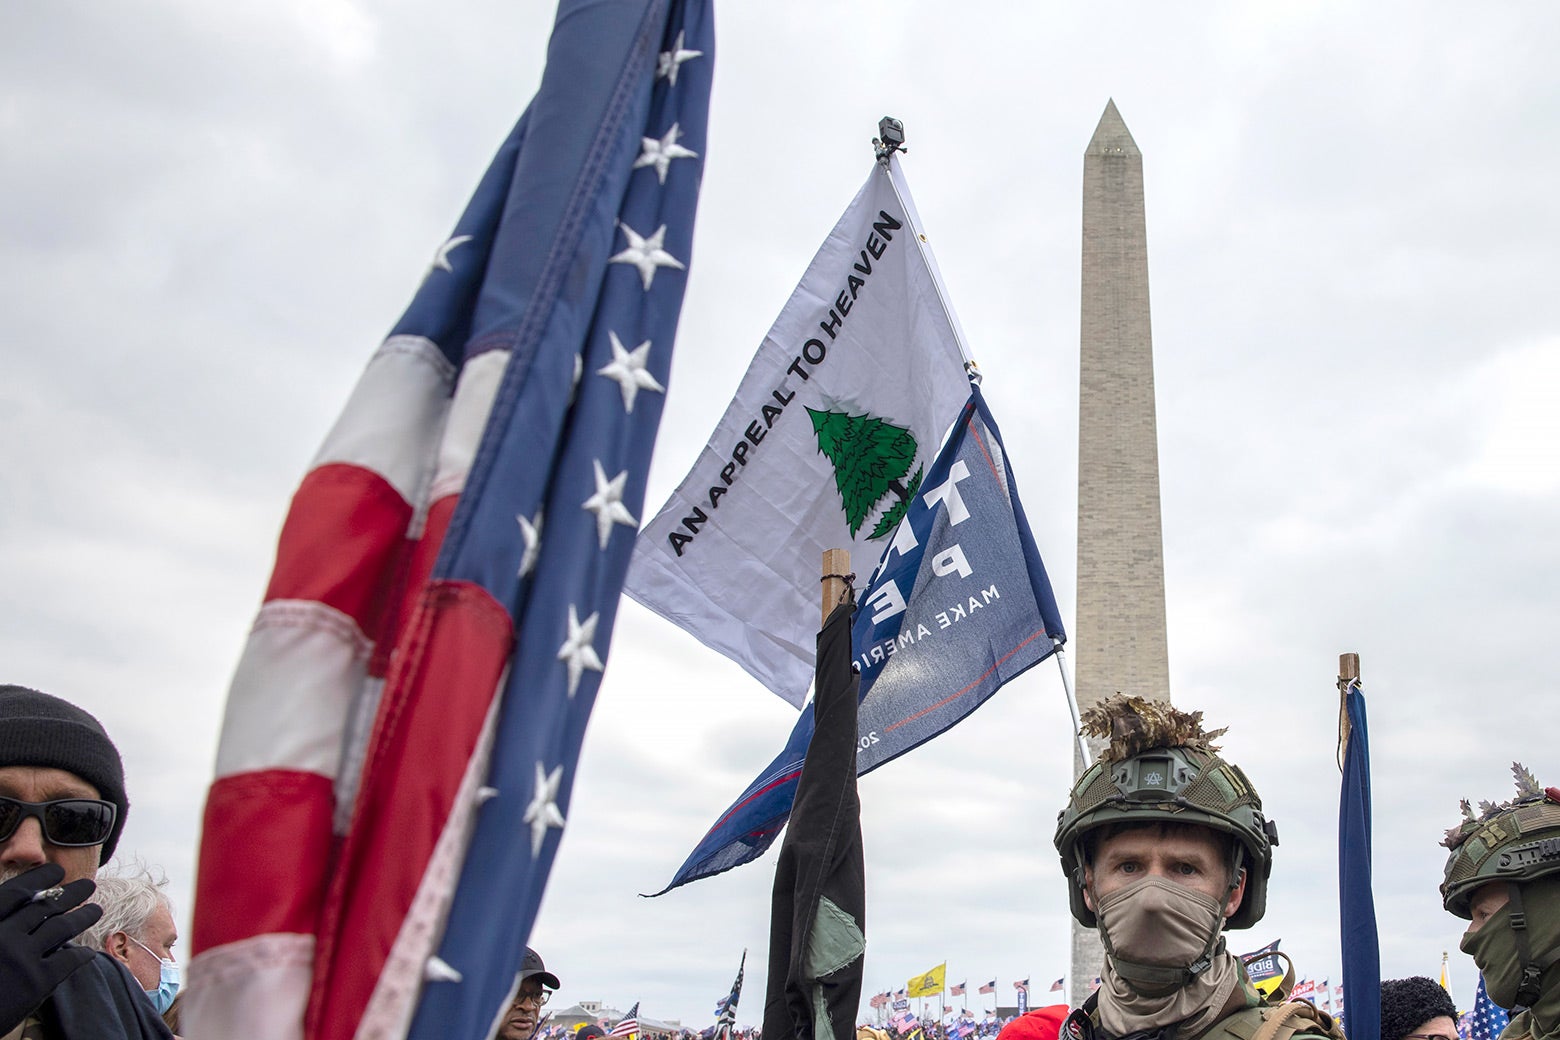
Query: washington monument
x=1120, y=642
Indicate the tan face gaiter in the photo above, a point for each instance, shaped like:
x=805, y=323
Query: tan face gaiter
x=1155, y=931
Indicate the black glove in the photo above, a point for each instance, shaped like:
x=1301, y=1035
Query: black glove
x=33, y=956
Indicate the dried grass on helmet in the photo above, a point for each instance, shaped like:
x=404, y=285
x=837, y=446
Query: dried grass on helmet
x=1137, y=724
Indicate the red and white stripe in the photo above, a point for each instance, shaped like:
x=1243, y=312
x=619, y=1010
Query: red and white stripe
x=352, y=563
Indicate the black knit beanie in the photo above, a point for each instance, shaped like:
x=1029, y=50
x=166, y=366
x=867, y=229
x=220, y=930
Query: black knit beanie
x=39, y=730
x=1407, y=1004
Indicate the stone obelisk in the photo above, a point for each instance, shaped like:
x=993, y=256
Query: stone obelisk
x=1119, y=641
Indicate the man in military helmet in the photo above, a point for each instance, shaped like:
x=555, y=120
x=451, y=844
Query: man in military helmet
x=1164, y=846
x=1503, y=878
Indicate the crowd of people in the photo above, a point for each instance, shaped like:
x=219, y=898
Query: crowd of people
x=1164, y=845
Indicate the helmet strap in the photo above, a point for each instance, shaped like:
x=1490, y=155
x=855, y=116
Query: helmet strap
x=1236, y=872
x=1533, y=968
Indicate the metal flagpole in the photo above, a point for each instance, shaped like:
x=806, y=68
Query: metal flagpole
x=1072, y=706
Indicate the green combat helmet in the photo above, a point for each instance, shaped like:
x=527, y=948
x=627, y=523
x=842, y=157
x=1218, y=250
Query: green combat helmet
x=1516, y=842
x=1160, y=767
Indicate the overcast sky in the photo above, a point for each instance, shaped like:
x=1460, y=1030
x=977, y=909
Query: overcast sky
x=211, y=213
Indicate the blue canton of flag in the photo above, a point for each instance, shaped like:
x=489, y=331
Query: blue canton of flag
x=563, y=463
x=1487, y=1019
x=959, y=605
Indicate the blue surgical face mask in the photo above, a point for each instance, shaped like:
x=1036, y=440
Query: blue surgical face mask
x=169, y=976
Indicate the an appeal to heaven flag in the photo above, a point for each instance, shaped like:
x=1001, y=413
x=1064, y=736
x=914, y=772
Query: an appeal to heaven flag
x=824, y=446
x=402, y=731
x=959, y=605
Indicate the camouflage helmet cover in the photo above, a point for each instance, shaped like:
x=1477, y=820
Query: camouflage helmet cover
x=1160, y=767
x=1517, y=840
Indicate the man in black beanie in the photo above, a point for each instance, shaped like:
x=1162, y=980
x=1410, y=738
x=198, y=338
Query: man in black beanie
x=62, y=809
x=50, y=750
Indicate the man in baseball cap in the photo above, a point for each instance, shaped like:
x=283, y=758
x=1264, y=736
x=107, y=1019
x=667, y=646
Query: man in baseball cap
x=535, y=989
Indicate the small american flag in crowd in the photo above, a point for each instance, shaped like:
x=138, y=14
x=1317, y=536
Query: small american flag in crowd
x=1487, y=1018
x=630, y=1023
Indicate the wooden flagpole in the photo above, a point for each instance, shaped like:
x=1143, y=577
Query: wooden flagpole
x=1348, y=675
x=836, y=579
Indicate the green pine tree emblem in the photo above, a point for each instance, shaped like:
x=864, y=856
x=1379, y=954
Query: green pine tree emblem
x=871, y=458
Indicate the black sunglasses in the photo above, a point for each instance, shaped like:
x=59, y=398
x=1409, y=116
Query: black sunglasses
x=67, y=822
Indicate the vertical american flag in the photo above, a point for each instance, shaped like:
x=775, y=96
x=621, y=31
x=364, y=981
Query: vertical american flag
x=726, y=1007
x=402, y=732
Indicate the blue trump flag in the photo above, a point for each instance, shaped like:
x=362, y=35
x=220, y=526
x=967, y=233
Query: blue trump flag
x=1356, y=902
x=959, y=604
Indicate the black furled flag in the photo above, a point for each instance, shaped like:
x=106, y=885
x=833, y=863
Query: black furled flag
x=817, y=930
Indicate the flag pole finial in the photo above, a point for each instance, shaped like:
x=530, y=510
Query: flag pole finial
x=890, y=139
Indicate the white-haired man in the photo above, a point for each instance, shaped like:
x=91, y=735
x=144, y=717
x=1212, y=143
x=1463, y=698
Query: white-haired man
x=137, y=929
